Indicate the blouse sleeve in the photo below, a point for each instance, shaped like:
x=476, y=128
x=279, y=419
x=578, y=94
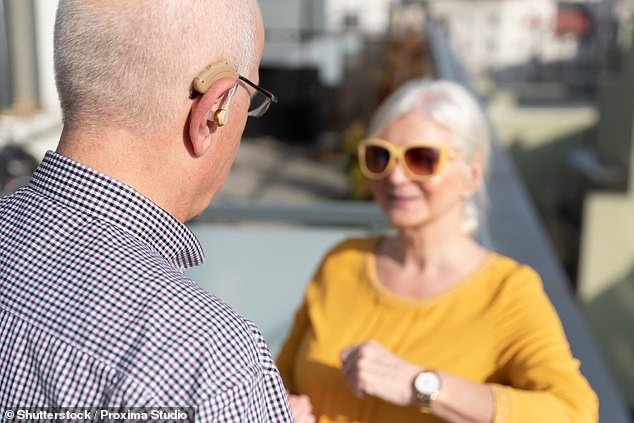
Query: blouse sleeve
x=547, y=385
x=286, y=356
x=301, y=323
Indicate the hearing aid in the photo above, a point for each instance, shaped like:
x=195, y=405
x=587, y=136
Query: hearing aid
x=209, y=76
x=212, y=74
x=221, y=116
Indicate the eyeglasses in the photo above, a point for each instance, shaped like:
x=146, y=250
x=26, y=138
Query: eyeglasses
x=421, y=162
x=261, y=99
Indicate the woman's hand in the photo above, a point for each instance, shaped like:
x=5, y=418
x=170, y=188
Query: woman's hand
x=302, y=409
x=370, y=369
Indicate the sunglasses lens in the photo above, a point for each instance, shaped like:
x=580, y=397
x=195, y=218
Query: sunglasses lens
x=376, y=158
x=422, y=160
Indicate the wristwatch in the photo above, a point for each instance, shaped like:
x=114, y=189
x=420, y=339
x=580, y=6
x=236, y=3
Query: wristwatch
x=427, y=386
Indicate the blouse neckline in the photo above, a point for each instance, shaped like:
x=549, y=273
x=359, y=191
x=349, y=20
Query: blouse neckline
x=389, y=296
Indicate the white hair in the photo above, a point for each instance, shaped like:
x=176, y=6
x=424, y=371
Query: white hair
x=453, y=107
x=130, y=63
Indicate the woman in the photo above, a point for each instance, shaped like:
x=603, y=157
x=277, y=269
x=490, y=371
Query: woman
x=425, y=324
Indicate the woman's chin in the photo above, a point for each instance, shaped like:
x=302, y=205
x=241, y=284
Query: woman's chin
x=405, y=218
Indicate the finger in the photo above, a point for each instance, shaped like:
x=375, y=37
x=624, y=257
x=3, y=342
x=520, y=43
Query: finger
x=306, y=400
x=350, y=358
x=350, y=368
x=356, y=381
x=372, y=344
x=306, y=419
x=302, y=408
x=372, y=377
x=349, y=373
x=299, y=406
x=362, y=359
x=302, y=399
x=293, y=400
x=364, y=363
x=345, y=354
x=374, y=352
x=351, y=376
x=356, y=361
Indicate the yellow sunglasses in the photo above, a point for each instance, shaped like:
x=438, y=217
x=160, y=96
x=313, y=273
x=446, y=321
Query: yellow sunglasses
x=420, y=161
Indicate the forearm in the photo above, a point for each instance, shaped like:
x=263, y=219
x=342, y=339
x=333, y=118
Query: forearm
x=523, y=406
x=462, y=401
x=370, y=369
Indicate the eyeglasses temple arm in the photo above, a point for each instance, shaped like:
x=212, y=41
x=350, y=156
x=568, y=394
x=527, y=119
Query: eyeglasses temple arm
x=260, y=89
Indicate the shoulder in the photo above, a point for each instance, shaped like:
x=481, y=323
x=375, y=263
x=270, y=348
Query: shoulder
x=515, y=286
x=196, y=317
x=504, y=272
x=164, y=320
x=4, y=204
x=349, y=250
x=202, y=313
x=5, y=200
x=200, y=342
x=345, y=260
x=343, y=268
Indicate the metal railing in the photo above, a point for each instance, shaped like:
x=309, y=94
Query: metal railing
x=516, y=230
x=342, y=213
x=6, y=95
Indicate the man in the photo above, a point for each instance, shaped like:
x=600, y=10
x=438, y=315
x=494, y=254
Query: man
x=95, y=310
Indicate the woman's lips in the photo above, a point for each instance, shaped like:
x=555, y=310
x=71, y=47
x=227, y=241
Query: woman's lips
x=402, y=199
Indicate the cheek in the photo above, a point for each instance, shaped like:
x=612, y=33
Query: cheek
x=447, y=188
x=230, y=154
x=378, y=189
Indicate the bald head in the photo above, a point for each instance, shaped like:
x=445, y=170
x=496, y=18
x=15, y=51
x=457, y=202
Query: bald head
x=130, y=63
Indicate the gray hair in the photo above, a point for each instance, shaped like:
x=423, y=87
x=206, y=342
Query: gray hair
x=453, y=107
x=131, y=63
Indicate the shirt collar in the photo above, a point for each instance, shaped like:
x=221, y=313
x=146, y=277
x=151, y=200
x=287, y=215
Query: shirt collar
x=105, y=198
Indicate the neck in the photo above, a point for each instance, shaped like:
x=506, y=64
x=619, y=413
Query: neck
x=130, y=159
x=434, y=245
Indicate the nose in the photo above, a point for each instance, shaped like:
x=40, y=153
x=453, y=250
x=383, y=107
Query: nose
x=397, y=175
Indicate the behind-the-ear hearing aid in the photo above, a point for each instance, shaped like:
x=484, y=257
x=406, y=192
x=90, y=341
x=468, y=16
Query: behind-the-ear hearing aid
x=212, y=74
x=221, y=116
x=209, y=76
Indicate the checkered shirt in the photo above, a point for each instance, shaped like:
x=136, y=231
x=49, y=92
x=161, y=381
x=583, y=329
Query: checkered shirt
x=96, y=312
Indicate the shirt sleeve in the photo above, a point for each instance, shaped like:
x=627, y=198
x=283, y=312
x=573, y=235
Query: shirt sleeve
x=277, y=406
x=252, y=395
x=547, y=385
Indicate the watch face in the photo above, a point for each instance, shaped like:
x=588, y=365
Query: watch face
x=427, y=383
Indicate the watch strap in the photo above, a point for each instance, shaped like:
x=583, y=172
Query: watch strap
x=425, y=400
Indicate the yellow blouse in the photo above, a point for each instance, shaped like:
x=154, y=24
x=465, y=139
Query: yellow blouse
x=496, y=326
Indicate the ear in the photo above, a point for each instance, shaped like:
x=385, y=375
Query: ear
x=473, y=176
x=201, y=131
